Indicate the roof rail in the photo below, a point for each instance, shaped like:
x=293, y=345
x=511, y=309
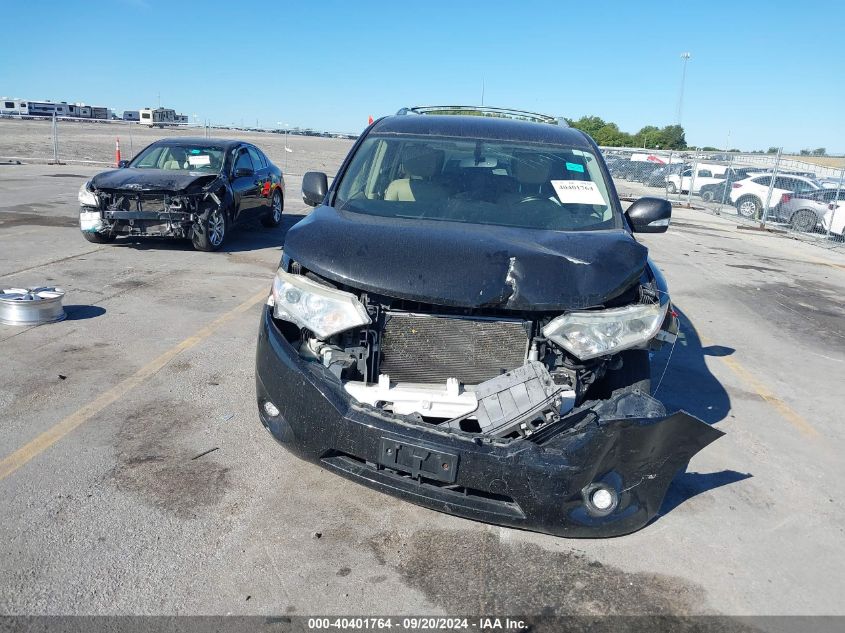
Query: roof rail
x=504, y=113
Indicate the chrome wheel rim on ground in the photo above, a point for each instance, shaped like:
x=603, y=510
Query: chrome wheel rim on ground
x=277, y=207
x=216, y=228
x=31, y=306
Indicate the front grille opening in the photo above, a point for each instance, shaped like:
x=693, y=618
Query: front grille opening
x=427, y=348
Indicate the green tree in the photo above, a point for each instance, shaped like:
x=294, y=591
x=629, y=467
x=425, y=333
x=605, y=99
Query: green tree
x=611, y=136
x=772, y=150
x=589, y=124
x=820, y=151
x=647, y=136
x=673, y=137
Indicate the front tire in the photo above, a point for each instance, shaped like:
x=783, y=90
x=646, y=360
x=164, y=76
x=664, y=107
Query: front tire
x=671, y=188
x=277, y=205
x=210, y=231
x=707, y=196
x=804, y=220
x=98, y=238
x=749, y=207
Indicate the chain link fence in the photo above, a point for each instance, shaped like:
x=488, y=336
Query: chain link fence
x=800, y=196
x=76, y=140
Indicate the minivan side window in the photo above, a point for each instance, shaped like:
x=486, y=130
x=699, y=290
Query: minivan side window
x=705, y=173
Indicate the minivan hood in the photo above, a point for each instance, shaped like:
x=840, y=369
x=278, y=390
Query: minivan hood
x=467, y=265
x=131, y=179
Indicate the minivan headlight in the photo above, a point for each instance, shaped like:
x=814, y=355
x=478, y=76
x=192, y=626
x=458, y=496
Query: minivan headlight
x=87, y=198
x=598, y=333
x=325, y=311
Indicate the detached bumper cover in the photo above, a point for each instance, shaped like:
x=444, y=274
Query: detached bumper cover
x=542, y=483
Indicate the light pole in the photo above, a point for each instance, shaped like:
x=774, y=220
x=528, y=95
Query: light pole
x=686, y=58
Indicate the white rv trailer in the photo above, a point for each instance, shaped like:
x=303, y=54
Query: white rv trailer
x=158, y=116
x=13, y=107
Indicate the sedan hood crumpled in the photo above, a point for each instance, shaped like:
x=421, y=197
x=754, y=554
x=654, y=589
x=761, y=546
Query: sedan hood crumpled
x=131, y=179
x=467, y=265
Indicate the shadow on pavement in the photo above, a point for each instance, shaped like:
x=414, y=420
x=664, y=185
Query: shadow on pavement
x=248, y=236
x=687, y=485
x=80, y=312
x=688, y=383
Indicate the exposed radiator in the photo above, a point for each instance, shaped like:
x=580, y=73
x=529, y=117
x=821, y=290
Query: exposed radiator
x=429, y=349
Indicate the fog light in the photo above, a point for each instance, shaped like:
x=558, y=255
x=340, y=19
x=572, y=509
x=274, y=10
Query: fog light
x=271, y=409
x=601, y=498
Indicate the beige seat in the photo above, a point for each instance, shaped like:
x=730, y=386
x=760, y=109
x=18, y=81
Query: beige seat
x=177, y=159
x=420, y=165
x=533, y=176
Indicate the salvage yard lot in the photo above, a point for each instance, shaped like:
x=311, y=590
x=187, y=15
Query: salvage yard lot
x=127, y=511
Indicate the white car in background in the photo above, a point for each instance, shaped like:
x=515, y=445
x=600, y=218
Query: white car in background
x=705, y=174
x=834, y=218
x=750, y=195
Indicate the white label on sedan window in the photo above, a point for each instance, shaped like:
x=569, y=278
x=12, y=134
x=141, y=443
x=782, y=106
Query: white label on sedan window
x=201, y=159
x=578, y=192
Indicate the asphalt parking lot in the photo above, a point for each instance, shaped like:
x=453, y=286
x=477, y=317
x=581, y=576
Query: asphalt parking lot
x=136, y=478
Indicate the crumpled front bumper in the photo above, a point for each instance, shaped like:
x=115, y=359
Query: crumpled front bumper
x=543, y=483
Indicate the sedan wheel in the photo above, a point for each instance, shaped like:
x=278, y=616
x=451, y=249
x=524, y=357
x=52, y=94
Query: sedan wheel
x=210, y=232
x=671, y=188
x=274, y=218
x=707, y=196
x=804, y=220
x=216, y=228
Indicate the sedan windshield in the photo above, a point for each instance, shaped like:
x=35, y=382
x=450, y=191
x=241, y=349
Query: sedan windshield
x=181, y=157
x=478, y=181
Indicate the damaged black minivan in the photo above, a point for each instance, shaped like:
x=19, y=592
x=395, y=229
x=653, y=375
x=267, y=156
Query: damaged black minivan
x=465, y=321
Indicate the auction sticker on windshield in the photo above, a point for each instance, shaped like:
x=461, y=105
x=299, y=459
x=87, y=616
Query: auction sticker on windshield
x=578, y=192
x=202, y=159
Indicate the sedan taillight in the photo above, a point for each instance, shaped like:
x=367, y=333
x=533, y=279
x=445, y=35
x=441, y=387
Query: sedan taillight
x=736, y=185
x=785, y=198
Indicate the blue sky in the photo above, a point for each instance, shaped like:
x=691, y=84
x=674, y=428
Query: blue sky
x=768, y=73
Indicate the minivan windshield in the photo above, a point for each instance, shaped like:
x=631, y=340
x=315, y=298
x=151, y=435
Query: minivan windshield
x=181, y=157
x=478, y=181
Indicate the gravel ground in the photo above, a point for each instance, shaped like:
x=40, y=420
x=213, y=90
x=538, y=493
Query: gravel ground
x=81, y=141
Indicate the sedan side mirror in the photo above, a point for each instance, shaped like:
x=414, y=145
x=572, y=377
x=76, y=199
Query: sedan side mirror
x=122, y=164
x=243, y=172
x=649, y=215
x=314, y=188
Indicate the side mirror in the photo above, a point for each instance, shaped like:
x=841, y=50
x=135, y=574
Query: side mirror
x=314, y=188
x=649, y=215
x=243, y=172
x=122, y=164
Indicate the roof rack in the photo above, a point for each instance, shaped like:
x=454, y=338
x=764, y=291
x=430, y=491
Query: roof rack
x=503, y=113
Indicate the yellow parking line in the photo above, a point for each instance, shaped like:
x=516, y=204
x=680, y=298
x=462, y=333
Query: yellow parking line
x=789, y=414
x=49, y=437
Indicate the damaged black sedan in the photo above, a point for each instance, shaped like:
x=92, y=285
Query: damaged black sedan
x=465, y=321
x=189, y=188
